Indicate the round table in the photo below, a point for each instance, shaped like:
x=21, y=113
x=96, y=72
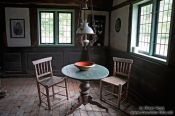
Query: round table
x=95, y=73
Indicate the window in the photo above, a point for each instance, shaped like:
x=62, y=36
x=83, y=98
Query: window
x=153, y=28
x=144, y=27
x=55, y=27
x=46, y=27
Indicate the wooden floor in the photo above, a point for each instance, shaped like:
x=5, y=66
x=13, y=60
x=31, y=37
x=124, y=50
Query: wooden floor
x=22, y=100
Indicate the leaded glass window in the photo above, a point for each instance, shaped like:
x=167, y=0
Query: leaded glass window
x=163, y=30
x=154, y=27
x=47, y=28
x=65, y=27
x=145, y=27
x=55, y=27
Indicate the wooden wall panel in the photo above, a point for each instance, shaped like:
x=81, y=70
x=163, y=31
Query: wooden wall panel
x=19, y=60
x=12, y=62
x=56, y=61
x=97, y=4
x=95, y=55
x=71, y=57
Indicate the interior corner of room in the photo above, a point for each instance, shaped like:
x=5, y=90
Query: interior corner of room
x=141, y=30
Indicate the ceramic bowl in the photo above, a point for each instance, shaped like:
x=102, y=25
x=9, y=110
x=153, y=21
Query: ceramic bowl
x=84, y=65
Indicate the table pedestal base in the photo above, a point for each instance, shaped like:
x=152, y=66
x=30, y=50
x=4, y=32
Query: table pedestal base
x=84, y=98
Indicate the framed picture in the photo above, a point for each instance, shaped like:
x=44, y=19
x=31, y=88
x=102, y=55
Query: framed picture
x=117, y=25
x=17, y=28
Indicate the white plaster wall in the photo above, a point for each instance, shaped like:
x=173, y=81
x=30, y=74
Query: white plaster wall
x=17, y=13
x=117, y=2
x=118, y=40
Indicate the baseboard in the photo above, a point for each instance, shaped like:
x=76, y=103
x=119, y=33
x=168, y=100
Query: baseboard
x=4, y=75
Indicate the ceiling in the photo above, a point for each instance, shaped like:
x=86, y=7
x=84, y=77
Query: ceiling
x=97, y=4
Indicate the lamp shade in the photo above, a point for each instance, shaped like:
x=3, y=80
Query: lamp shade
x=84, y=29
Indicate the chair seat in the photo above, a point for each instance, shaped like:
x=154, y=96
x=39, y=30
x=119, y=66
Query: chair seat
x=114, y=80
x=51, y=81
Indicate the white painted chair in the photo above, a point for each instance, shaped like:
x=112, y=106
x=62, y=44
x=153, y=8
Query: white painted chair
x=118, y=83
x=45, y=78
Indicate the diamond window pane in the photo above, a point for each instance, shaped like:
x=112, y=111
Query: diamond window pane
x=46, y=28
x=163, y=27
x=65, y=27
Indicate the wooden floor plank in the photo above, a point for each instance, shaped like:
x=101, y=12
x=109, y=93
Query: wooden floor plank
x=22, y=100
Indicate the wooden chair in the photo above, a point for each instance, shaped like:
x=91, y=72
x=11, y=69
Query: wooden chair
x=45, y=78
x=116, y=85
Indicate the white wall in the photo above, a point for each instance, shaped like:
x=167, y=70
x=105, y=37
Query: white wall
x=17, y=13
x=118, y=40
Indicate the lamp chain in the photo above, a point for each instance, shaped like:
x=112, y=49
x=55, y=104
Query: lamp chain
x=84, y=40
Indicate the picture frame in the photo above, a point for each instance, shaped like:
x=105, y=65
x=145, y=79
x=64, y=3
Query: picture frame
x=117, y=24
x=17, y=28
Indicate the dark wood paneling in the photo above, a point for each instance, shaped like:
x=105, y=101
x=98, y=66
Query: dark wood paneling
x=97, y=4
x=33, y=26
x=57, y=61
x=12, y=62
x=150, y=81
x=96, y=54
x=72, y=56
x=20, y=59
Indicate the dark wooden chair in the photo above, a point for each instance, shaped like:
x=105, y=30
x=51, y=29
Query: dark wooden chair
x=116, y=85
x=45, y=78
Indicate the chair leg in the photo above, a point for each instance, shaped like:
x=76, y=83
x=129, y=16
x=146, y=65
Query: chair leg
x=66, y=89
x=113, y=88
x=53, y=91
x=100, y=90
x=119, y=96
x=48, y=100
x=127, y=90
x=39, y=94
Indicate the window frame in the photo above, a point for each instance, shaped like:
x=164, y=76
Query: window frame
x=138, y=26
x=154, y=29
x=71, y=28
x=40, y=27
x=56, y=26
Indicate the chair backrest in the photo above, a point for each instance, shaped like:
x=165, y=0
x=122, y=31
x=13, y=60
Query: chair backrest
x=43, y=68
x=122, y=66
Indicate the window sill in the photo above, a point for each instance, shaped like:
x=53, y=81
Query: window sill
x=56, y=45
x=150, y=58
